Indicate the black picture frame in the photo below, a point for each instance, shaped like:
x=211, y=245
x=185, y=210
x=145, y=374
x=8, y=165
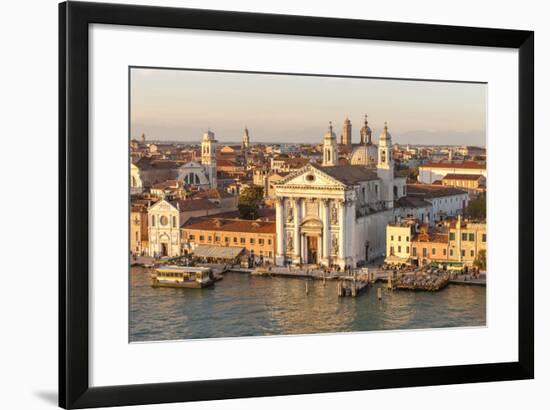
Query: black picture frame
x=74, y=388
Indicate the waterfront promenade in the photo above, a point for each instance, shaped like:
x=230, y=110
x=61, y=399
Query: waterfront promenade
x=372, y=273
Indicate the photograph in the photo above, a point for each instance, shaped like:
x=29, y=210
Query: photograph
x=273, y=204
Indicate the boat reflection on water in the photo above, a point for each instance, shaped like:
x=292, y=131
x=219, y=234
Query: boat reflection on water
x=244, y=305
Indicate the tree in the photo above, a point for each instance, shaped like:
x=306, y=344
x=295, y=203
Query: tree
x=477, y=209
x=481, y=260
x=249, y=202
x=413, y=173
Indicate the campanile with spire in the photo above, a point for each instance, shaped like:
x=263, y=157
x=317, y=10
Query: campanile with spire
x=346, y=133
x=246, y=140
x=330, y=148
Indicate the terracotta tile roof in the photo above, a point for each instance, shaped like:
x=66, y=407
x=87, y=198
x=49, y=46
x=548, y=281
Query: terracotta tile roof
x=151, y=163
x=463, y=176
x=432, y=191
x=263, y=213
x=171, y=183
x=229, y=225
x=225, y=163
x=296, y=162
x=138, y=208
x=456, y=165
x=214, y=193
x=224, y=175
x=188, y=205
x=431, y=237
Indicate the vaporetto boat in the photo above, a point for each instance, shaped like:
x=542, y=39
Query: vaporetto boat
x=183, y=277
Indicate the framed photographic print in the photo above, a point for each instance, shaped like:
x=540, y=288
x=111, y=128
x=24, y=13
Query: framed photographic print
x=257, y=204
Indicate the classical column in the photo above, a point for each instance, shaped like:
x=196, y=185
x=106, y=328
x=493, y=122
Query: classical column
x=326, y=232
x=297, y=221
x=342, y=233
x=351, y=230
x=280, y=230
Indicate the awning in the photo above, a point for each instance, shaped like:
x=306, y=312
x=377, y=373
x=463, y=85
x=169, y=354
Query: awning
x=217, y=252
x=396, y=259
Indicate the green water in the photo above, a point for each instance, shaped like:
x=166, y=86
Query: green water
x=244, y=305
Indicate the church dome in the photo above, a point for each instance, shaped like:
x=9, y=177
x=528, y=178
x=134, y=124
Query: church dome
x=366, y=155
x=365, y=129
x=365, y=132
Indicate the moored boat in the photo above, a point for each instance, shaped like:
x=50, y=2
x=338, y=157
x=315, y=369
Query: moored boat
x=183, y=277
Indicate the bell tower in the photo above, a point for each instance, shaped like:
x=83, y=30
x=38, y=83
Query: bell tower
x=330, y=148
x=366, y=133
x=346, y=133
x=385, y=159
x=385, y=167
x=246, y=140
x=208, y=157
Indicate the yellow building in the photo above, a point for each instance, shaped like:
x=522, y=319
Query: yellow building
x=398, y=241
x=455, y=241
x=257, y=237
x=166, y=219
x=138, y=229
x=466, y=240
x=474, y=184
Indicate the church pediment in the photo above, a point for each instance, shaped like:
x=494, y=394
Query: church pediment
x=310, y=176
x=163, y=206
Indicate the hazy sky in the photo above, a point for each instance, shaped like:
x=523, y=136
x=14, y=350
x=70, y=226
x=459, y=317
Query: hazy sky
x=181, y=105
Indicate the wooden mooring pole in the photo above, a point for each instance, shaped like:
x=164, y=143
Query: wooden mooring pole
x=379, y=293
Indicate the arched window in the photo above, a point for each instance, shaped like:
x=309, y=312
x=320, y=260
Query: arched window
x=153, y=220
x=173, y=221
x=191, y=179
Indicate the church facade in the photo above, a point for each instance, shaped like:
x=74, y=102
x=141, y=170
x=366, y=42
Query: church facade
x=336, y=215
x=203, y=174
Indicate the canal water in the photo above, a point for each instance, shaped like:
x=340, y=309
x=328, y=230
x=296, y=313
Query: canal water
x=244, y=305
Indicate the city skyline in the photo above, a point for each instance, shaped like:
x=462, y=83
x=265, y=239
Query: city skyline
x=180, y=105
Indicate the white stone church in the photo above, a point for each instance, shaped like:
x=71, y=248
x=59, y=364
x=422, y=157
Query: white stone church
x=202, y=174
x=336, y=215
